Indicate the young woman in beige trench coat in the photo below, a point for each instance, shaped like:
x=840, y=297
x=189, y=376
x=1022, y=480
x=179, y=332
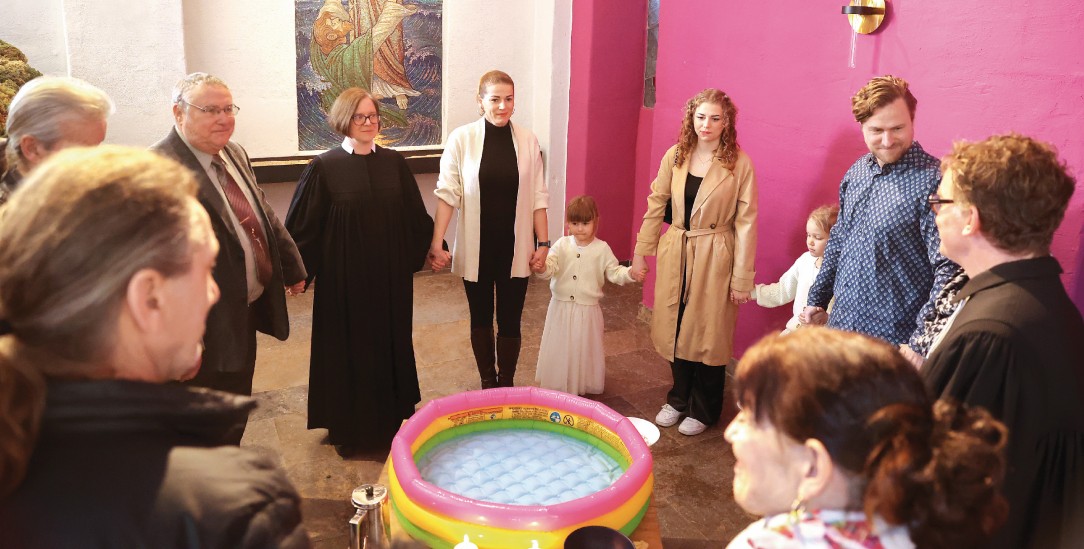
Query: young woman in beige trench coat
x=705, y=257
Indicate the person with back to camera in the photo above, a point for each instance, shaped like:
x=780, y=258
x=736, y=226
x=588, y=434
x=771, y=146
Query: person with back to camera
x=794, y=285
x=491, y=171
x=570, y=356
x=705, y=258
x=360, y=224
x=1015, y=343
x=106, y=262
x=838, y=445
x=47, y=114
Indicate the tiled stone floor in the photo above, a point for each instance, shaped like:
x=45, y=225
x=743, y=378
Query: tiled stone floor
x=692, y=474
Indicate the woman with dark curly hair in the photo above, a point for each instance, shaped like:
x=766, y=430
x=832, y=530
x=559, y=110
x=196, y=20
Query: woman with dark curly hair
x=705, y=257
x=838, y=445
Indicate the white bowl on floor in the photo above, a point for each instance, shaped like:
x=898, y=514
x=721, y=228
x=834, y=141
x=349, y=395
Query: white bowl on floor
x=647, y=430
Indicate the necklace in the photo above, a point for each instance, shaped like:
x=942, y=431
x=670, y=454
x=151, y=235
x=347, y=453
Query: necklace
x=703, y=159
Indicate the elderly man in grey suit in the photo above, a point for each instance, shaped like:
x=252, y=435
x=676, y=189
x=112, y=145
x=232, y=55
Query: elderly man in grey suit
x=257, y=258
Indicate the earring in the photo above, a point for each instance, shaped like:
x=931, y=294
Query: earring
x=797, y=510
x=481, y=111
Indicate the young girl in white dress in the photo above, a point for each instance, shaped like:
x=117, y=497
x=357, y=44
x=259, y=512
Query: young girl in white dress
x=795, y=283
x=570, y=357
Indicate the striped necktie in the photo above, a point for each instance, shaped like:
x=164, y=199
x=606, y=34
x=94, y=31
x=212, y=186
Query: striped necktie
x=247, y=217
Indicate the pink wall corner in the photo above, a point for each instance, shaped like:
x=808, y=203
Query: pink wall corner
x=975, y=70
x=605, y=98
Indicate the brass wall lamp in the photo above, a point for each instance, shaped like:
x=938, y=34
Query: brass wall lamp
x=865, y=15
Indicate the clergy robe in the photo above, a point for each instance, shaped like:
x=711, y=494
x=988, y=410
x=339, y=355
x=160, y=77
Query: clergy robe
x=362, y=229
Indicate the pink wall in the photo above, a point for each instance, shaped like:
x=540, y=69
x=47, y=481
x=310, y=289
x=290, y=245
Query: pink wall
x=607, y=72
x=976, y=69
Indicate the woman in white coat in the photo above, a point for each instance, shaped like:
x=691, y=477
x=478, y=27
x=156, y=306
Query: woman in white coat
x=491, y=172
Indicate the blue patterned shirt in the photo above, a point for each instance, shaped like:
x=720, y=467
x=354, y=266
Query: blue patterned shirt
x=882, y=262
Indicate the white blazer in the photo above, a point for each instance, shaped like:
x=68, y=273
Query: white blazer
x=457, y=185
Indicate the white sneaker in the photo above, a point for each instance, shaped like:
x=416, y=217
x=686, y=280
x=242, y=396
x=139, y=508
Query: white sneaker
x=667, y=417
x=691, y=427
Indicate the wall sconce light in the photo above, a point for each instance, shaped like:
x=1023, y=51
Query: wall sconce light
x=864, y=16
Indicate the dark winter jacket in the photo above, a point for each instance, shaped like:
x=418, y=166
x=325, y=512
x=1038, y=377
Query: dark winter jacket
x=129, y=464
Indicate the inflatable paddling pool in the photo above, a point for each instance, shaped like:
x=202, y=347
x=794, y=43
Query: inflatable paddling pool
x=516, y=465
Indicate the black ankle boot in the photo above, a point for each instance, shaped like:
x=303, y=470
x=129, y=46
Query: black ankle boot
x=507, y=357
x=481, y=341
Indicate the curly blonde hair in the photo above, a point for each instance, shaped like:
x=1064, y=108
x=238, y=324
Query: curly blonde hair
x=728, y=149
x=825, y=217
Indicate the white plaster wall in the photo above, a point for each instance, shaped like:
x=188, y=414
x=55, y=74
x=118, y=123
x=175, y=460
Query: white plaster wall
x=531, y=41
x=137, y=50
x=37, y=28
x=250, y=45
x=552, y=75
x=134, y=50
x=481, y=35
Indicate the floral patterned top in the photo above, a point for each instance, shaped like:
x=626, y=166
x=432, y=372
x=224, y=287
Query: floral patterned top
x=824, y=529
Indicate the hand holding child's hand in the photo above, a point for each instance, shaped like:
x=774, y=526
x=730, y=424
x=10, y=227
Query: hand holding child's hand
x=638, y=270
x=538, y=259
x=738, y=297
x=813, y=315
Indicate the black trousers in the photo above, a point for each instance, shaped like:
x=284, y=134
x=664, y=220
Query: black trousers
x=698, y=388
x=510, y=294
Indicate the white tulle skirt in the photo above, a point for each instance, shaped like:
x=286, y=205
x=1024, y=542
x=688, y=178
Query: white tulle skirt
x=570, y=357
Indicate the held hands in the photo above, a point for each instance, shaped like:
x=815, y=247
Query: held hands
x=296, y=289
x=538, y=259
x=813, y=315
x=638, y=270
x=738, y=297
x=438, y=257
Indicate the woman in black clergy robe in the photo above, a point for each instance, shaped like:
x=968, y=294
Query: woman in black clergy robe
x=361, y=226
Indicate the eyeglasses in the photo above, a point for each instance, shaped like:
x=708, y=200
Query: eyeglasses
x=228, y=110
x=935, y=202
x=360, y=119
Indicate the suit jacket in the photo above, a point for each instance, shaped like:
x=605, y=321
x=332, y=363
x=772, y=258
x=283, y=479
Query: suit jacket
x=707, y=259
x=225, y=349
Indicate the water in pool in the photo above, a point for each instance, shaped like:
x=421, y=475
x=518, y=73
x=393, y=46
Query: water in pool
x=519, y=467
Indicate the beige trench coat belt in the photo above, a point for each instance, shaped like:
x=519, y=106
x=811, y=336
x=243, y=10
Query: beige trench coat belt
x=687, y=253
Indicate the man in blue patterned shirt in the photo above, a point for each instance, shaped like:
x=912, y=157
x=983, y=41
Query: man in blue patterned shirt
x=882, y=262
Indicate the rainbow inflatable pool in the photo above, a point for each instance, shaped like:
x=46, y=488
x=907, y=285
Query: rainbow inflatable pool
x=441, y=517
